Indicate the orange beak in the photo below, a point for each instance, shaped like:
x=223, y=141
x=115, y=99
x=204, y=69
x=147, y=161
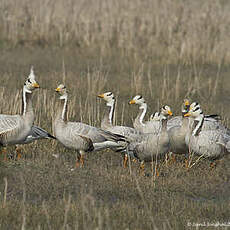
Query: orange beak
x=132, y=102
x=101, y=95
x=36, y=85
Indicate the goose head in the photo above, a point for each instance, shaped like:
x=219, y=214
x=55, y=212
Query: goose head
x=31, y=84
x=108, y=97
x=61, y=90
x=195, y=111
x=155, y=116
x=138, y=100
x=166, y=111
x=185, y=107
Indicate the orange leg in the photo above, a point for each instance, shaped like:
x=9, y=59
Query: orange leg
x=173, y=158
x=156, y=172
x=5, y=153
x=18, y=153
x=80, y=161
x=125, y=161
x=142, y=168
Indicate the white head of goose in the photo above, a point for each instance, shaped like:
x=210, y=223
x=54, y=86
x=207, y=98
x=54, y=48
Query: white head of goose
x=109, y=113
x=138, y=122
x=80, y=136
x=15, y=128
x=155, y=116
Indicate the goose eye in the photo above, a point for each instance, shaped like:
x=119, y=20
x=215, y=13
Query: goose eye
x=140, y=97
x=29, y=80
x=109, y=94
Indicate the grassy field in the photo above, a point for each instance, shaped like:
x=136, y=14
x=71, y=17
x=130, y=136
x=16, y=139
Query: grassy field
x=164, y=50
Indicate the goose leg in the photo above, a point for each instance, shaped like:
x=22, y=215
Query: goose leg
x=142, y=168
x=5, y=153
x=173, y=158
x=125, y=161
x=18, y=152
x=80, y=159
x=156, y=171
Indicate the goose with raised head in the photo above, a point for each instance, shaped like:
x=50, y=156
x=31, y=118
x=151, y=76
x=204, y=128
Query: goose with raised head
x=107, y=121
x=79, y=136
x=139, y=123
x=212, y=144
x=14, y=129
x=152, y=145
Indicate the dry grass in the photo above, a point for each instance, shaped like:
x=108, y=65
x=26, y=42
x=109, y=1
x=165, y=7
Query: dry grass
x=185, y=31
x=164, y=50
x=41, y=192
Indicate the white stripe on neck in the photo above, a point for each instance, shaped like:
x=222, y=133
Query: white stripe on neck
x=144, y=107
x=200, y=120
x=24, y=91
x=111, y=104
x=64, y=109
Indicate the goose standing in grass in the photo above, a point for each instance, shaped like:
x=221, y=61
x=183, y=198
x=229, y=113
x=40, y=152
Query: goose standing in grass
x=212, y=144
x=107, y=124
x=14, y=129
x=107, y=121
x=152, y=145
x=79, y=136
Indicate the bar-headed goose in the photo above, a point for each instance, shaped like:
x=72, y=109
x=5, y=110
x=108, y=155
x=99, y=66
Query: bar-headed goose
x=151, y=145
x=213, y=143
x=80, y=136
x=107, y=121
x=14, y=129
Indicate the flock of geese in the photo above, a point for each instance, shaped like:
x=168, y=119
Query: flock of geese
x=192, y=132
